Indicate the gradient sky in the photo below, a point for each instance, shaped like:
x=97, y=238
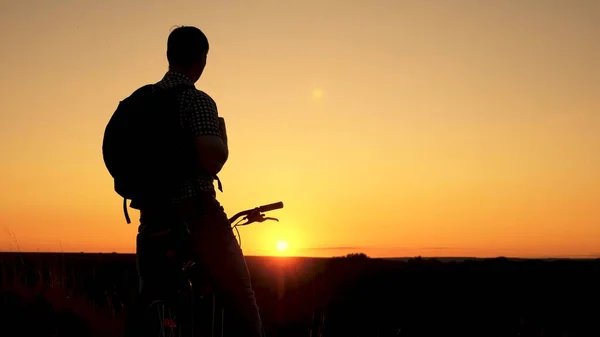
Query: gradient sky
x=395, y=128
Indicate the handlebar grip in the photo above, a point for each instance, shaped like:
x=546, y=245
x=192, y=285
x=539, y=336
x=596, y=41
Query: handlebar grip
x=271, y=207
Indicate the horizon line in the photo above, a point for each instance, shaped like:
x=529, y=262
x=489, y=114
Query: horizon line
x=572, y=257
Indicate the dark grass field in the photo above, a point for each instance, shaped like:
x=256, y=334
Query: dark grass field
x=63, y=294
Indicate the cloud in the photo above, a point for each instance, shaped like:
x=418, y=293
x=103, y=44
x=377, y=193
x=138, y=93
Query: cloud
x=333, y=248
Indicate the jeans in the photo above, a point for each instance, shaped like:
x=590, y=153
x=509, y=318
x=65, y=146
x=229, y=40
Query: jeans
x=217, y=254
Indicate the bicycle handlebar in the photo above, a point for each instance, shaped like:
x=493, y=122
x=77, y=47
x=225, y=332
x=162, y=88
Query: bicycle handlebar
x=253, y=215
x=256, y=210
x=271, y=207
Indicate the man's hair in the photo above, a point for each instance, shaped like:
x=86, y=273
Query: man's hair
x=186, y=45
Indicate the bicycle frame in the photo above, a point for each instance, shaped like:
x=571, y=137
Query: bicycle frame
x=249, y=216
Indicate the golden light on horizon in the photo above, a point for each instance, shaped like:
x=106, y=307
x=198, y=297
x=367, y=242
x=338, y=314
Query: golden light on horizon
x=282, y=246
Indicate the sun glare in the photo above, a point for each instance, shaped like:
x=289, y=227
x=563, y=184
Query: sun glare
x=282, y=246
x=317, y=93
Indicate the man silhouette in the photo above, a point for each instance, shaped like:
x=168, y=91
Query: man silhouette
x=214, y=248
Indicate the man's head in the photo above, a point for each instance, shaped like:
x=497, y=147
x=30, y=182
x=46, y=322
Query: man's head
x=187, y=49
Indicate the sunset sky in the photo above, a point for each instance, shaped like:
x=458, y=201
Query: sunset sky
x=390, y=127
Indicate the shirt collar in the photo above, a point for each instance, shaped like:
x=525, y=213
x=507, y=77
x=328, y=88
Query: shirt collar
x=177, y=77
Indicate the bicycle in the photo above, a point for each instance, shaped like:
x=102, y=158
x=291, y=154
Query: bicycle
x=166, y=299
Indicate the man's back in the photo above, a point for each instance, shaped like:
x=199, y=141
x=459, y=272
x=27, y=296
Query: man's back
x=193, y=204
x=198, y=117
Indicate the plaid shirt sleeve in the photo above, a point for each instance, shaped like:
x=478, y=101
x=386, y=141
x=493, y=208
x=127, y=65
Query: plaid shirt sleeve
x=200, y=115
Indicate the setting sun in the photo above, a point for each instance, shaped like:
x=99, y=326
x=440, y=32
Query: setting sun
x=282, y=246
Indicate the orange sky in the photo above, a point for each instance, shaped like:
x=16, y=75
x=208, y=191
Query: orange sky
x=396, y=128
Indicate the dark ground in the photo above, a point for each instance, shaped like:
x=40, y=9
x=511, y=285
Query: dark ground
x=55, y=294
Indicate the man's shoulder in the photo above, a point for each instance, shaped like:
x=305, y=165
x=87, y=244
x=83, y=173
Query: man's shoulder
x=199, y=94
x=201, y=98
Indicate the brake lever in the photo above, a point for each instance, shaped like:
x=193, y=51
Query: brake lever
x=262, y=218
x=256, y=217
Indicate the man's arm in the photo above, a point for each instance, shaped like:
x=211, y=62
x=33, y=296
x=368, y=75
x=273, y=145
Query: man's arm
x=203, y=121
x=212, y=153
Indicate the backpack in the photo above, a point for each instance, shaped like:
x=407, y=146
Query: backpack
x=145, y=149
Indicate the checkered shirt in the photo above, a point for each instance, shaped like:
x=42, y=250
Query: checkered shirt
x=199, y=115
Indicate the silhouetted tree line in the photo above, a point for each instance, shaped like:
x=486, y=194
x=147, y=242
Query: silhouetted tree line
x=353, y=256
x=352, y=295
